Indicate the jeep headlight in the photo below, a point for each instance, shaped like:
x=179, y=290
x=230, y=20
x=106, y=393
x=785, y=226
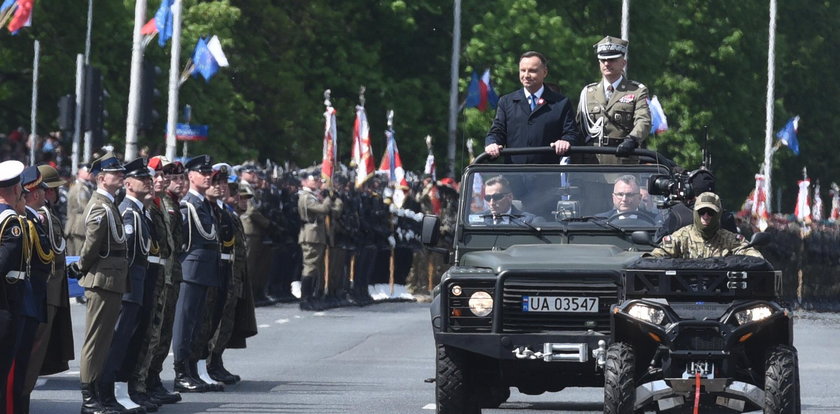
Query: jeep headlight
x=481, y=303
x=646, y=313
x=753, y=314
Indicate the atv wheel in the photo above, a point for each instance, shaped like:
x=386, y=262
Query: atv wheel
x=619, y=384
x=452, y=384
x=781, y=381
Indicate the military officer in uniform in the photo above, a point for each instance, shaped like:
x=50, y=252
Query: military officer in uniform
x=313, y=209
x=77, y=198
x=14, y=265
x=704, y=238
x=53, y=345
x=170, y=202
x=199, y=263
x=138, y=234
x=614, y=112
x=103, y=265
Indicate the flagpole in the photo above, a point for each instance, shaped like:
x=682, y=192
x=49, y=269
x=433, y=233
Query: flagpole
x=453, y=87
x=136, y=82
x=174, y=82
x=625, y=28
x=77, y=126
x=768, y=127
x=34, y=113
x=80, y=100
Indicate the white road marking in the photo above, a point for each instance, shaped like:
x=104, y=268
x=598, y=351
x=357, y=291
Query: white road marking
x=263, y=325
x=429, y=407
x=282, y=321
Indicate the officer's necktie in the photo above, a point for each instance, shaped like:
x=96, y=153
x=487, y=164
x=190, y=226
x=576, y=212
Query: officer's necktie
x=533, y=102
x=610, y=90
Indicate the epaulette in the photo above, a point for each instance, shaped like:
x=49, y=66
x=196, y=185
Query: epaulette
x=639, y=84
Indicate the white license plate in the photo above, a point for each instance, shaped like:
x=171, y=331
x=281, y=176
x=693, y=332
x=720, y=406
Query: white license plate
x=559, y=304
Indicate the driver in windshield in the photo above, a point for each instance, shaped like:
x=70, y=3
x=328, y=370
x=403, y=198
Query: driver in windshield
x=626, y=197
x=497, y=193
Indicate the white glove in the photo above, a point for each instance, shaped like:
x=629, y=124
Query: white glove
x=392, y=241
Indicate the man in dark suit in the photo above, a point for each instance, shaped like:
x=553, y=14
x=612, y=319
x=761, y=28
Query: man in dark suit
x=534, y=116
x=497, y=193
x=199, y=263
x=627, y=198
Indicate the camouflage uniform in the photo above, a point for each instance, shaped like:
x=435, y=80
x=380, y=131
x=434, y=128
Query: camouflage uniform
x=702, y=240
x=688, y=243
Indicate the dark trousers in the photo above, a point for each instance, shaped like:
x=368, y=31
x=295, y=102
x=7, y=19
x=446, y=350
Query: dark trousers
x=365, y=263
x=188, y=313
x=139, y=344
x=8, y=343
x=127, y=323
x=160, y=351
x=214, y=305
x=25, y=338
x=382, y=266
x=403, y=257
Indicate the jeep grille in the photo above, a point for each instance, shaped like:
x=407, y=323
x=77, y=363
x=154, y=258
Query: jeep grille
x=515, y=320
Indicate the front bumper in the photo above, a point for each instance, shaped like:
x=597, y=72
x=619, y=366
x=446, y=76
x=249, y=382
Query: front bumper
x=549, y=347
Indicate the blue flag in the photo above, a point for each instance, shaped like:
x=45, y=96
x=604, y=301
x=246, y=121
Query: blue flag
x=163, y=22
x=6, y=4
x=480, y=93
x=204, y=62
x=789, y=134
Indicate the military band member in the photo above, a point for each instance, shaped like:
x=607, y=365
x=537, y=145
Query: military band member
x=104, y=267
x=53, y=345
x=77, y=198
x=614, y=112
x=704, y=238
x=14, y=264
x=199, y=263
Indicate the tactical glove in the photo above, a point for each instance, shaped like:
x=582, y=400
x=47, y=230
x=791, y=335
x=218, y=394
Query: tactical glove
x=627, y=147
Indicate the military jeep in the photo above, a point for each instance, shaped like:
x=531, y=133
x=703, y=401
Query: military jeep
x=527, y=300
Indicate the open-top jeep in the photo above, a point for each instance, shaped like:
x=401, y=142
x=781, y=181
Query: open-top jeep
x=709, y=334
x=527, y=302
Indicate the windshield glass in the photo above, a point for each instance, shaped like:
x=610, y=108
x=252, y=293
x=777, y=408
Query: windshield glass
x=602, y=198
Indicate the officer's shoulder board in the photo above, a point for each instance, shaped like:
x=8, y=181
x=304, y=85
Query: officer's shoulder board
x=638, y=84
x=591, y=86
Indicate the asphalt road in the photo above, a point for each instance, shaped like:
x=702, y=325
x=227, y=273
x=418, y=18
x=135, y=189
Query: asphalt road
x=375, y=360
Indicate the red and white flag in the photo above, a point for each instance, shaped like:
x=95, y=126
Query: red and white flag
x=803, y=205
x=330, y=146
x=429, y=168
x=759, y=203
x=362, y=154
x=816, y=211
x=835, y=203
x=392, y=166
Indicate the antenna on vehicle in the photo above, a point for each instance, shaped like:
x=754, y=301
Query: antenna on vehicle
x=707, y=157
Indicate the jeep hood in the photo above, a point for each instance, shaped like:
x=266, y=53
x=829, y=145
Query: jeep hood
x=552, y=256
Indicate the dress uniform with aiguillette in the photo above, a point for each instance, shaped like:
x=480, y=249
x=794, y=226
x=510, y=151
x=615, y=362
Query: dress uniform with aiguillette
x=137, y=227
x=35, y=299
x=614, y=114
x=199, y=264
x=14, y=266
x=104, y=267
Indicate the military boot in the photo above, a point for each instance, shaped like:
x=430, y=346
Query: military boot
x=184, y=382
x=159, y=393
x=217, y=371
x=90, y=400
x=204, y=377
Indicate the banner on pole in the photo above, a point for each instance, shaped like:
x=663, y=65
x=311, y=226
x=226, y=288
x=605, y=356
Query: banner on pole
x=187, y=132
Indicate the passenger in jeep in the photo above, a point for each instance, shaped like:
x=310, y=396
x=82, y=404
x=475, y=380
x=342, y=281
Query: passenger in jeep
x=704, y=238
x=499, y=197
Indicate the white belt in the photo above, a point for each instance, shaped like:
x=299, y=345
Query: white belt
x=16, y=275
x=227, y=257
x=157, y=260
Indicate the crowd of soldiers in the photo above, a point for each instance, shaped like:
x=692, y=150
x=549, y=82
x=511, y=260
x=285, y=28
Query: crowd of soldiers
x=178, y=255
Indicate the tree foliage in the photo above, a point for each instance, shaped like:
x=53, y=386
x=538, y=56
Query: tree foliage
x=705, y=60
